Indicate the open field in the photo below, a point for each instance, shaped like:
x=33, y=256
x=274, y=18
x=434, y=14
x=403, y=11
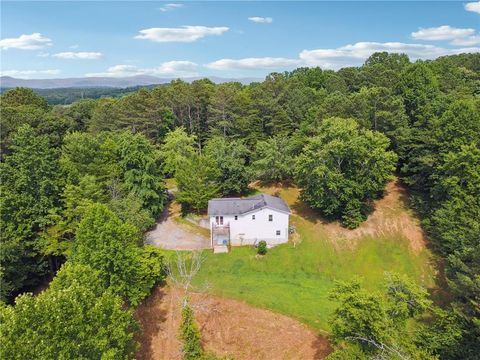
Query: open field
x=294, y=279
x=228, y=327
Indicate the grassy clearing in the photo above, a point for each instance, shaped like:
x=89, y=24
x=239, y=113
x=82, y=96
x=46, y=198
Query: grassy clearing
x=295, y=279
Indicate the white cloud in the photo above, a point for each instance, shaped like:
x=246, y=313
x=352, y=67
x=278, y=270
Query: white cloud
x=33, y=41
x=73, y=47
x=444, y=32
x=170, y=7
x=27, y=74
x=468, y=41
x=180, y=34
x=456, y=36
x=348, y=55
x=81, y=55
x=252, y=63
x=356, y=54
x=167, y=69
x=473, y=7
x=261, y=19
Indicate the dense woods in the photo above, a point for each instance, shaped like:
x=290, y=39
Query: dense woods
x=80, y=184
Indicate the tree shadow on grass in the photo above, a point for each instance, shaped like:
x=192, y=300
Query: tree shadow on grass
x=151, y=316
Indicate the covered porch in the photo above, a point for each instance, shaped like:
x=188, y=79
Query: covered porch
x=220, y=238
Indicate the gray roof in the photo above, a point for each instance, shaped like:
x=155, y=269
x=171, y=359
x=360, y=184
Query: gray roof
x=238, y=206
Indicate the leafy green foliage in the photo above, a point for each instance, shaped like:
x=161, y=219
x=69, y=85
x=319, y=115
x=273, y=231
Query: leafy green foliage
x=274, y=159
x=216, y=138
x=139, y=165
x=23, y=96
x=53, y=324
x=230, y=158
x=177, y=149
x=262, y=247
x=106, y=244
x=122, y=162
x=190, y=335
x=419, y=89
x=197, y=181
x=343, y=168
x=30, y=188
x=373, y=324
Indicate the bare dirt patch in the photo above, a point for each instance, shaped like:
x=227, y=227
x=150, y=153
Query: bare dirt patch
x=228, y=327
x=391, y=216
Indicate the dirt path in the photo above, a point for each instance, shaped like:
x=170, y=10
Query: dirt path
x=228, y=327
x=168, y=234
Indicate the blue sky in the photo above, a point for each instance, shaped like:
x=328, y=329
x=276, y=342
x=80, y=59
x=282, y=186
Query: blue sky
x=228, y=39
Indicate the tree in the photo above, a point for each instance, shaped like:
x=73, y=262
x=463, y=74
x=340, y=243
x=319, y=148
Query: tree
x=177, y=149
x=190, y=335
x=419, y=89
x=130, y=209
x=197, y=182
x=120, y=161
x=378, y=109
x=104, y=116
x=140, y=168
x=139, y=112
x=81, y=156
x=30, y=188
x=80, y=113
x=230, y=157
x=454, y=222
x=360, y=315
x=228, y=109
x=459, y=125
x=274, y=159
x=110, y=246
x=76, y=318
x=343, y=168
x=56, y=240
x=23, y=96
x=372, y=325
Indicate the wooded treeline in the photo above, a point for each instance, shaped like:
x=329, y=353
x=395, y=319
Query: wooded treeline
x=94, y=170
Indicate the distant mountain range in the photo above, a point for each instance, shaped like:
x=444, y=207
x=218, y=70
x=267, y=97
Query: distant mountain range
x=93, y=82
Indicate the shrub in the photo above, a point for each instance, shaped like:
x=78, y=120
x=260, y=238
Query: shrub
x=190, y=335
x=262, y=247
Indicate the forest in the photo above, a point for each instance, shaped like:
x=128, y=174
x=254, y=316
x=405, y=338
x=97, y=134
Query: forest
x=66, y=96
x=81, y=183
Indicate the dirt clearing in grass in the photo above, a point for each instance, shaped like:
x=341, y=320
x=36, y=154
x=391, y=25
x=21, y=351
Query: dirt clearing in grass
x=390, y=216
x=228, y=327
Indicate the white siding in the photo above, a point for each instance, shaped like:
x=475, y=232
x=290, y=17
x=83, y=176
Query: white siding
x=246, y=231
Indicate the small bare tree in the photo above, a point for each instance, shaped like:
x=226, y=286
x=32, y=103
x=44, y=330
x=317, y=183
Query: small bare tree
x=182, y=269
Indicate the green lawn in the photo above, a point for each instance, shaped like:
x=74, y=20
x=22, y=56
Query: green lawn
x=296, y=280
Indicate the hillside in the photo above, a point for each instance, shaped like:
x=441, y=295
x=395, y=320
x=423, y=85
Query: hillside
x=295, y=279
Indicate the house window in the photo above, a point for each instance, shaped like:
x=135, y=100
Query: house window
x=219, y=220
x=270, y=217
x=278, y=232
x=253, y=217
x=236, y=217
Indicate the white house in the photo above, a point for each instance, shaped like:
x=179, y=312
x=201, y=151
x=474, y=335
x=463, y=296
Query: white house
x=237, y=221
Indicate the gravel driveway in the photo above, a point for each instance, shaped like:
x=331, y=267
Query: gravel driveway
x=167, y=234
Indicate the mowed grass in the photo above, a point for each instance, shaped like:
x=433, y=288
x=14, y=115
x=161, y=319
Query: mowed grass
x=295, y=279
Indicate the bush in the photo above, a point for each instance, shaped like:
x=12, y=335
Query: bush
x=190, y=335
x=262, y=247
